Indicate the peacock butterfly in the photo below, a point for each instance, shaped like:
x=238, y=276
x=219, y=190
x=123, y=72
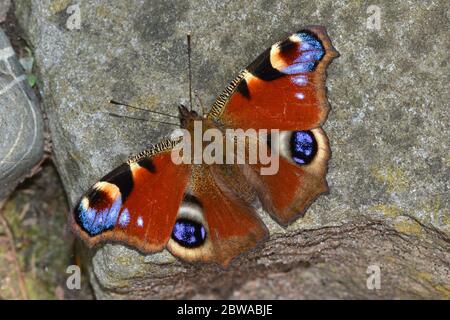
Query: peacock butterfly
x=205, y=212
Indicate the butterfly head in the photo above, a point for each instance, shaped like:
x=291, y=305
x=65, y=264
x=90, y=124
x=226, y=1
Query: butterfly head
x=187, y=116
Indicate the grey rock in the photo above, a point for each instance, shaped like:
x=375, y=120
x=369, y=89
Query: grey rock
x=21, y=124
x=4, y=8
x=388, y=130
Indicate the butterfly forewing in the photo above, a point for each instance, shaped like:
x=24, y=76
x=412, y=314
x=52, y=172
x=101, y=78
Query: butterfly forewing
x=136, y=203
x=284, y=88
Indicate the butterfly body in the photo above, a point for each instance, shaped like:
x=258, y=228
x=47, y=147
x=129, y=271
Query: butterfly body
x=206, y=211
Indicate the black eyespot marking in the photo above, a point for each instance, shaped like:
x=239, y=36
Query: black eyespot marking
x=96, y=197
x=263, y=69
x=148, y=164
x=122, y=178
x=287, y=45
x=188, y=233
x=242, y=88
x=303, y=147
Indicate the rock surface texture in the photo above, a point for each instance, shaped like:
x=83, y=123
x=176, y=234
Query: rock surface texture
x=4, y=7
x=21, y=124
x=388, y=205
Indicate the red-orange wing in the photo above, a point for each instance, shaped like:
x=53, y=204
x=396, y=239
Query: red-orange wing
x=214, y=224
x=137, y=203
x=284, y=88
x=300, y=177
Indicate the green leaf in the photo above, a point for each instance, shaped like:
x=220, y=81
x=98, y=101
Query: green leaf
x=31, y=78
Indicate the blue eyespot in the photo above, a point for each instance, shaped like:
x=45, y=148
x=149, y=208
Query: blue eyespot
x=310, y=52
x=188, y=233
x=95, y=221
x=303, y=147
x=310, y=42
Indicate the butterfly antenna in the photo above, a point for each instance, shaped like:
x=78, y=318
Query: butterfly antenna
x=141, y=119
x=189, y=69
x=200, y=103
x=142, y=109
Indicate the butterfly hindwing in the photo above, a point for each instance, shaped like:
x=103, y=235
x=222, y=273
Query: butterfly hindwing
x=300, y=177
x=284, y=88
x=137, y=203
x=214, y=224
